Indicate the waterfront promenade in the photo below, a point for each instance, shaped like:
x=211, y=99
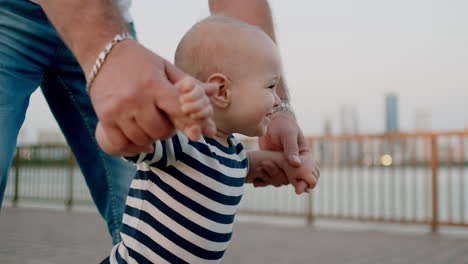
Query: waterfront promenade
x=44, y=236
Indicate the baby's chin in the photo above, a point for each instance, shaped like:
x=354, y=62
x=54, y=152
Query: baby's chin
x=258, y=131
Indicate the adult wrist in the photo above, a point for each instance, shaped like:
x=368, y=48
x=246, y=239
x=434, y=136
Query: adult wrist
x=85, y=37
x=101, y=58
x=284, y=106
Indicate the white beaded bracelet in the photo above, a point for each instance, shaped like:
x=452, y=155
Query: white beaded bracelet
x=102, y=56
x=284, y=106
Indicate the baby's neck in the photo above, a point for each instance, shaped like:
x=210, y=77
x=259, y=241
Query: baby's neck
x=222, y=138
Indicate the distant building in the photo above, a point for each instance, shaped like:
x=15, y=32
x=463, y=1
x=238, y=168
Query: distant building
x=391, y=113
x=349, y=120
x=327, y=127
x=325, y=146
x=344, y=120
x=350, y=150
x=355, y=120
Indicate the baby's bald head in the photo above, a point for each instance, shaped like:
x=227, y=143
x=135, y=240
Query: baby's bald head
x=220, y=44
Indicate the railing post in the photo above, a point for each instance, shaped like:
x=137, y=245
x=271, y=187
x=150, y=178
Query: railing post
x=310, y=213
x=70, y=165
x=435, y=198
x=310, y=202
x=17, y=177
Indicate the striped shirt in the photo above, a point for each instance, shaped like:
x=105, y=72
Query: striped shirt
x=182, y=202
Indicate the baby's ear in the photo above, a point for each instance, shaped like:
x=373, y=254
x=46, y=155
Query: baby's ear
x=222, y=97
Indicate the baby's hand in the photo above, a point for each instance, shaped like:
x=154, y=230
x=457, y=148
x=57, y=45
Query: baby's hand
x=196, y=108
x=305, y=177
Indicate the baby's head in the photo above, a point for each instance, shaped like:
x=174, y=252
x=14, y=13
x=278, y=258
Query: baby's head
x=243, y=61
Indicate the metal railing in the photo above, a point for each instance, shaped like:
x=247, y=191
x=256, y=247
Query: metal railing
x=409, y=178
x=46, y=173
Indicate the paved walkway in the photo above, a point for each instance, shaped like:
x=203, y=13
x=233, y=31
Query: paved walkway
x=39, y=236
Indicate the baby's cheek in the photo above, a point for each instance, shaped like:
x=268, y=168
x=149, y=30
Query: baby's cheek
x=272, y=100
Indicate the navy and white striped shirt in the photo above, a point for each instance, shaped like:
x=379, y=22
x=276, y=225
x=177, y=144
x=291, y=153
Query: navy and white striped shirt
x=182, y=202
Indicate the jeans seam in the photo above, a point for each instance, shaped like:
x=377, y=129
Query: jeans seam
x=111, y=197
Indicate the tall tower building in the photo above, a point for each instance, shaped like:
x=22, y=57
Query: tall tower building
x=391, y=113
x=327, y=127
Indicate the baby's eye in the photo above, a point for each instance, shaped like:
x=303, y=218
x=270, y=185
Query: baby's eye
x=272, y=86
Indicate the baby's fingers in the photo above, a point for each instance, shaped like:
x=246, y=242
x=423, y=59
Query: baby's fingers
x=196, y=106
x=193, y=132
x=311, y=180
x=192, y=95
x=204, y=113
x=209, y=128
x=186, y=84
x=301, y=186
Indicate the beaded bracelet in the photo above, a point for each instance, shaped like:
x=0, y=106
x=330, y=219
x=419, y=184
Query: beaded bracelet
x=284, y=106
x=102, y=56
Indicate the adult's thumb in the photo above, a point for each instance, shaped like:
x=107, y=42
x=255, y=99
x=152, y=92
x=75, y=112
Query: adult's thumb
x=291, y=150
x=173, y=73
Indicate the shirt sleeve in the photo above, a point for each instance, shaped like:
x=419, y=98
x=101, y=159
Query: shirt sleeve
x=165, y=152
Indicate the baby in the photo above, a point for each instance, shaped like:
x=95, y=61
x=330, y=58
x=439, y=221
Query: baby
x=184, y=197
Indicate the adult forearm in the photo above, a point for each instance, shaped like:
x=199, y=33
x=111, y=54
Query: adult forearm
x=255, y=12
x=86, y=26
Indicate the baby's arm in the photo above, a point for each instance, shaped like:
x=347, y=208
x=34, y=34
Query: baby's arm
x=302, y=178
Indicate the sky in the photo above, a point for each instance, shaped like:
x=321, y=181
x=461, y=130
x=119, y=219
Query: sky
x=340, y=52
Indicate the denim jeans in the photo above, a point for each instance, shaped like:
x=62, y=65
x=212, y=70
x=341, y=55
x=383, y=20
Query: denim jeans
x=31, y=55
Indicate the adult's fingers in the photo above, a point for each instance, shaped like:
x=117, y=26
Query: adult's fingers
x=117, y=143
x=289, y=142
x=154, y=123
x=133, y=132
x=301, y=143
x=259, y=182
x=168, y=100
x=102, y=139
x=276, y=176
x=173, y=73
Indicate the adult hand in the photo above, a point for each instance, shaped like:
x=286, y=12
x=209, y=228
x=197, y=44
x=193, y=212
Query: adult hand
x=269, y=173
x=134, y=98
x=285, y=135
